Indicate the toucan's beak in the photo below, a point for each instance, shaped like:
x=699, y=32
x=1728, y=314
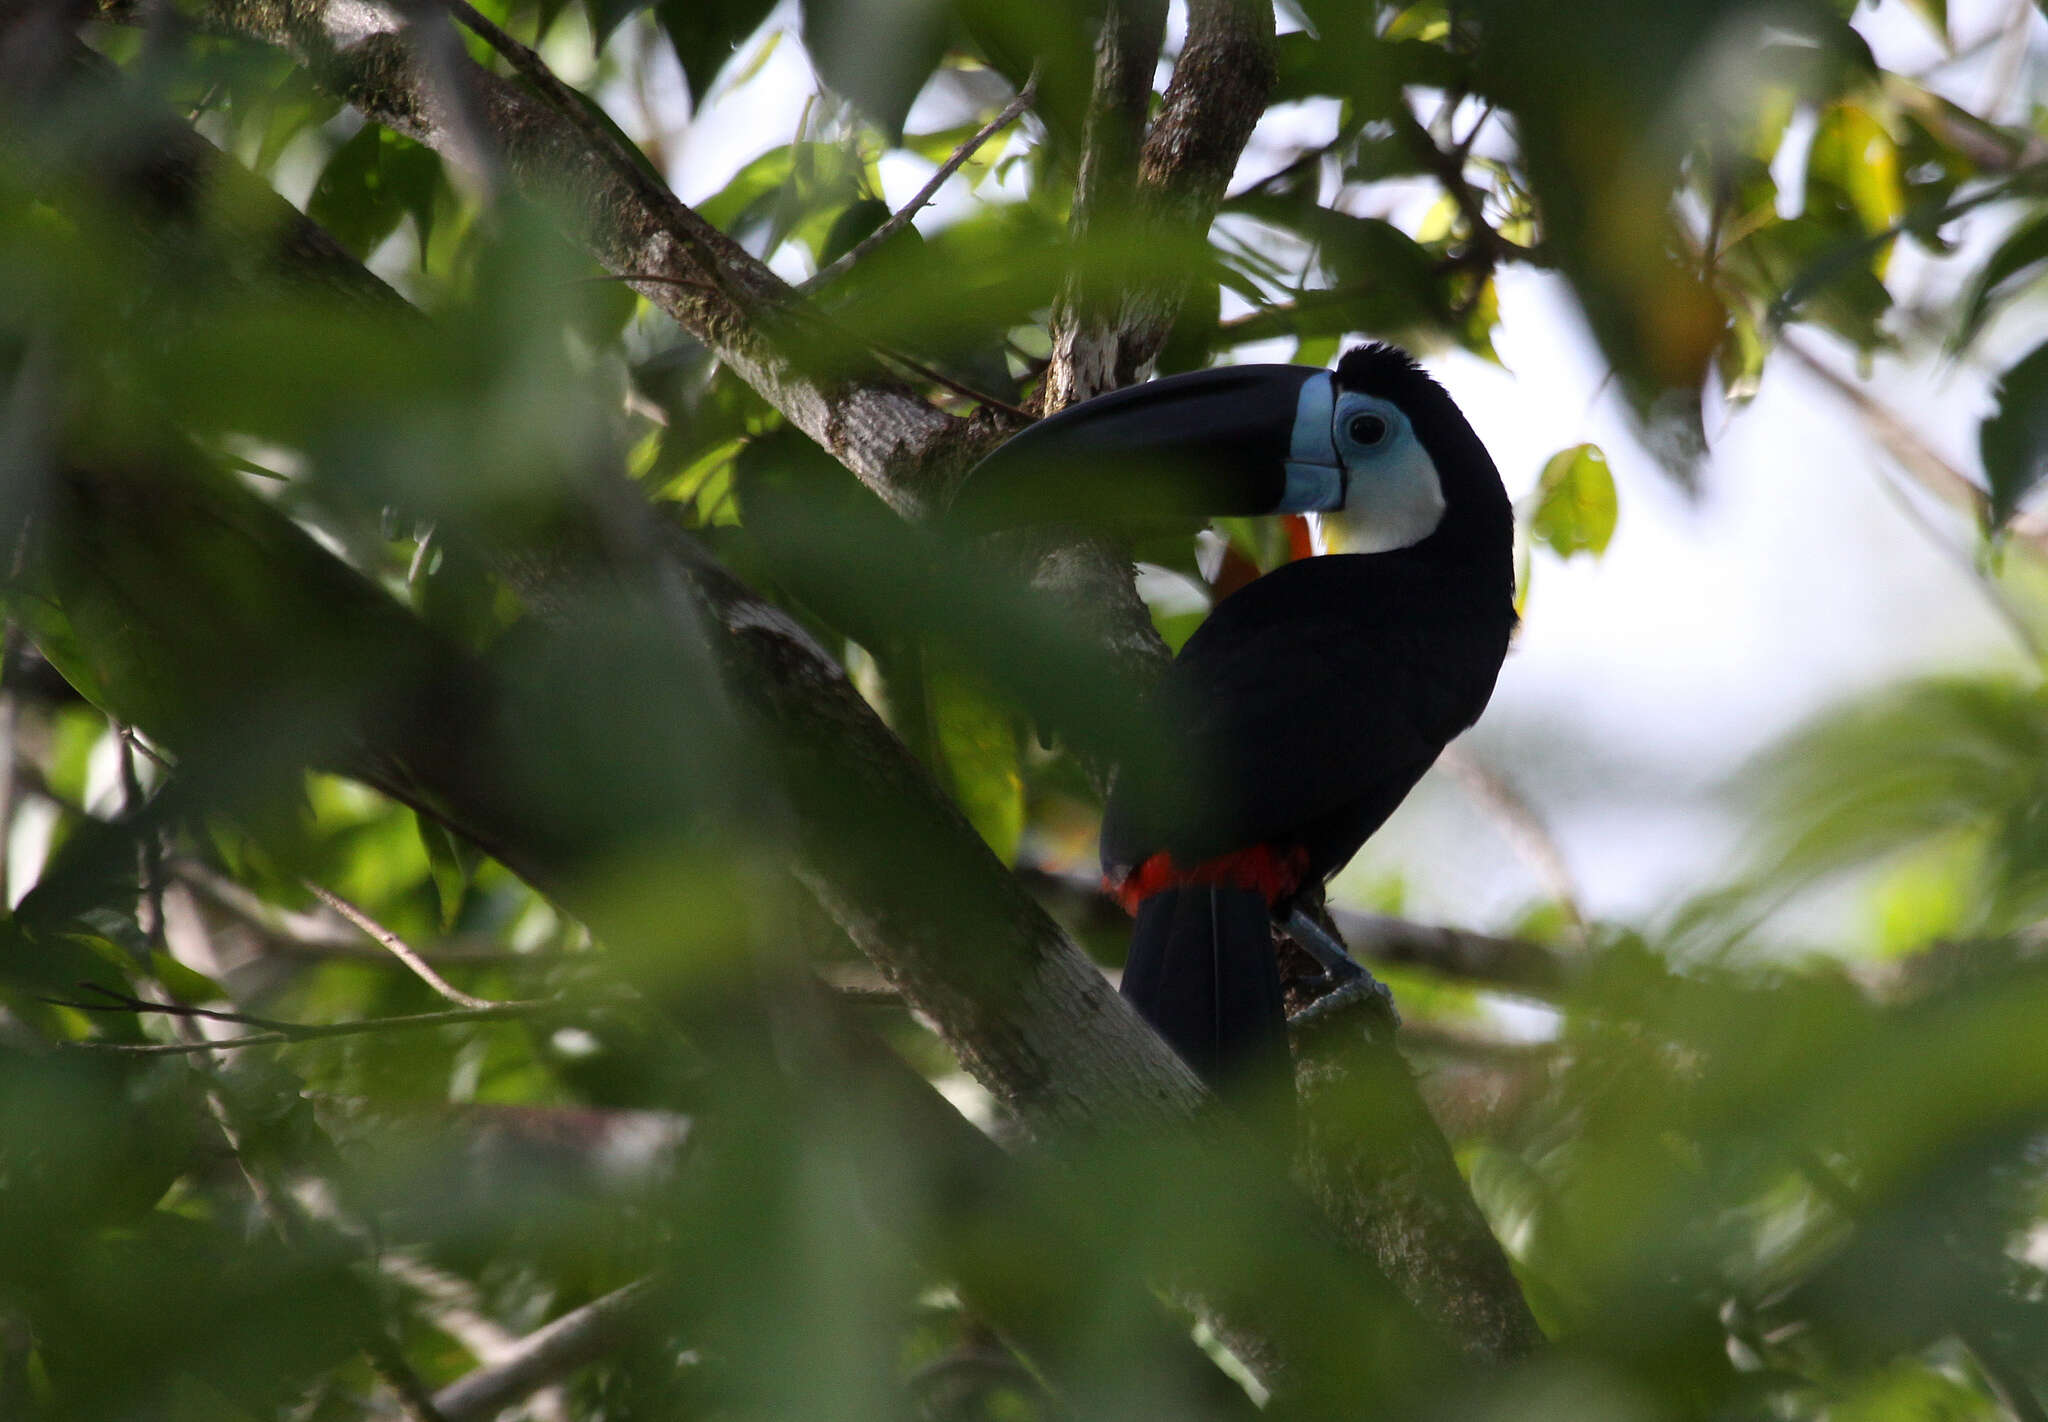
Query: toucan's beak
x=1248, y=440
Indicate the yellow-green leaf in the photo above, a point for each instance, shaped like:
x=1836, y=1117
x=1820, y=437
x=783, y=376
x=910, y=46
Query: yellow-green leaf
x=1853, y=153
x=1575, y=505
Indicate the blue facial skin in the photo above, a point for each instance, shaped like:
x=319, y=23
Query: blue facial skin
x=1354, y=462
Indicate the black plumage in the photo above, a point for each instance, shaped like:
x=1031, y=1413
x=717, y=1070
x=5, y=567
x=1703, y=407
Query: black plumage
x=1294, y=721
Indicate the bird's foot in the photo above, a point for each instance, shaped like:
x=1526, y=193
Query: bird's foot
x=1340, y=970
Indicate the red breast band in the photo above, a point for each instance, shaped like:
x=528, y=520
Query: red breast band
x=1273, y=873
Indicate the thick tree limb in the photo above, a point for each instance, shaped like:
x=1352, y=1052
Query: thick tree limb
x=177, y=175
x=1218, y=93
x=1084, y=331
x=1392, y=1186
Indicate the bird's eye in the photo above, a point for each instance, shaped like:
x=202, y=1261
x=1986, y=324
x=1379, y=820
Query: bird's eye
x=1367, y=429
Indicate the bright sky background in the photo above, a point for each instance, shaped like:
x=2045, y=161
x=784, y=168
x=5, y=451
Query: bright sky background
x=1713, y=624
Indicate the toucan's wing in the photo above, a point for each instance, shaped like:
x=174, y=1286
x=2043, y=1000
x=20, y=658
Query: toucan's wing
x=1305, y=708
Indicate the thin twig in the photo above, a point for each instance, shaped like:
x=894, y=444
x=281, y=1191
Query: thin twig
x=149, y=849
x=387, y=1360
x=1918, y=461
x=940, y=378
x=453, y=1305
x=1448, y=168
x=110, y=1000
x=900, y=219
x=1526, y=829
x=397, y=947
x=1928, y=469
x=286, y=930
x=279, y=1033
x=423, y=544
x=1295, y=164
x=547, y=1355
x=1994, y=597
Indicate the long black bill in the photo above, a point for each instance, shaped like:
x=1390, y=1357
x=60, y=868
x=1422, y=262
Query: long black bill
x=1184, y=449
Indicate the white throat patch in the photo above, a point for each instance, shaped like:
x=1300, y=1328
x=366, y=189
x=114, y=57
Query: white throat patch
x=1357, y=470
x=1395, y=502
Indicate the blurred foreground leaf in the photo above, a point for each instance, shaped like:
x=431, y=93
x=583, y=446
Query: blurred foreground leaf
x=2014, y=438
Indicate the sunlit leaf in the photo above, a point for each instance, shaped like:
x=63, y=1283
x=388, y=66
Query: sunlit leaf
x=1854, y=159
x=1575, y=504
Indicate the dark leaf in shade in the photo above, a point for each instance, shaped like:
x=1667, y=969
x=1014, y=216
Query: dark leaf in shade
x=2014, y=439
x=372, y=183
x=877, y=53
x=705, y=32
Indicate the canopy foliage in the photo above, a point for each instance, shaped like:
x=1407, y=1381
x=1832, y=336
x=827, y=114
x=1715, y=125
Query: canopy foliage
x=517, y=810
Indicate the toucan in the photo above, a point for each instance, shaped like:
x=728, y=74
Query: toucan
x=1311, y=700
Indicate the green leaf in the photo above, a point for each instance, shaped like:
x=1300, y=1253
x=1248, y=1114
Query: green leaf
x=1369, y=72
x=704, y=34
x=1740, y=358
x=607, y=15
x=1853, y=160
x=2014, y=439
x=1942, y=767
x=876, y=53
x=797, y=189
x=371, y=184
x=1050, y=38
x=854, y=225
x=452, y=864
x=1811, y=268
x=1575, y=504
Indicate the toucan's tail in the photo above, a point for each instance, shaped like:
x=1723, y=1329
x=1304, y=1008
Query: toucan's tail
x=1202, y=972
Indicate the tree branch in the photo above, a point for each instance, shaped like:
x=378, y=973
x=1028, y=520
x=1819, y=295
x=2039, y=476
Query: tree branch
x=1225, y=74
x=274, y=1033
x=1084, y=335
x=547, y=1355
x=922, y=199
x=397, y=948
x=1392, y=1185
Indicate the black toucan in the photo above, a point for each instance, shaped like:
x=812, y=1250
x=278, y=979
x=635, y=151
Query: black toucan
x=1312, y=699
